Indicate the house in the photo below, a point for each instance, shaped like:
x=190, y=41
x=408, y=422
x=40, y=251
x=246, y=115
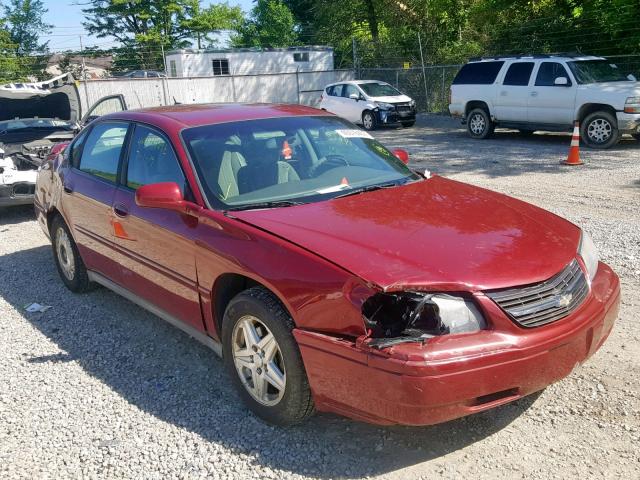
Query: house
x=96, y=67
x=248, y=61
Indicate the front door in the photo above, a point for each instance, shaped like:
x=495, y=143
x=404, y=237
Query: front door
x=89, y=184
x=550, y=103
x=155, y=244
x=513, y=95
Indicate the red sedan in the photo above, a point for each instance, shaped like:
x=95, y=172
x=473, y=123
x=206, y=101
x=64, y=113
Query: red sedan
x=327, y=274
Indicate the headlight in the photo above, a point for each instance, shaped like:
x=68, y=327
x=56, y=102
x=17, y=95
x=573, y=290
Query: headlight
x=412, y=103
x=589, y=253
x=632, y=105
x=415, y=317
x=385, y=106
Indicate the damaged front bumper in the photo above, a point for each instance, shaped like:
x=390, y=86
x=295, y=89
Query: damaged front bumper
x=455, y=375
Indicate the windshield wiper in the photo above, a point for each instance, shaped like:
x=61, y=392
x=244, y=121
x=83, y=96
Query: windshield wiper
x=368, y=188
x=273, y=204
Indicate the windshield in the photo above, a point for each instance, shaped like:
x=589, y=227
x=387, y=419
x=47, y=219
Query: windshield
x=21, y=124
x=596, y=71
x=298, y=159
x=379, y=89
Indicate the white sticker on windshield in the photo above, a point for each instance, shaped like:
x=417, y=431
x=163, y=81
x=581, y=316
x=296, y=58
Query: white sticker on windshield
x=353, y=133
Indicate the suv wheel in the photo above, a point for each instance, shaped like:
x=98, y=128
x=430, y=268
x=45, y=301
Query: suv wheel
x=599, y=130
x=369, y=120
x=263, y=360
x=479, y=124
x=68, y=261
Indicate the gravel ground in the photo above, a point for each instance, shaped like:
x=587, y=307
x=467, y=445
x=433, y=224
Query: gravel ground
x=97, y=388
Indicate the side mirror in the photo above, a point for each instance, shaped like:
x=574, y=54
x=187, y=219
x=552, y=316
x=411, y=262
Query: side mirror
x=401, y=155
x=561, y=81
x=161, y=195
x=354, y=96
x=632, y=78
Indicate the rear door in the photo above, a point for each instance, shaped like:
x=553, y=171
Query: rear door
x=88, y=189
x=337, y=102
x=104, y=106
x=513, y=95
x=156, y=245
x=550, y=103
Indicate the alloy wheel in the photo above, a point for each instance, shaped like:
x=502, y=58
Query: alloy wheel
x=600, y=130
x=65, y=253
x=477, y=124
x=258, y=360
x=367, y=121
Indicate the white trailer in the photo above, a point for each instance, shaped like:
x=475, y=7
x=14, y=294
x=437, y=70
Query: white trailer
x=248, y=61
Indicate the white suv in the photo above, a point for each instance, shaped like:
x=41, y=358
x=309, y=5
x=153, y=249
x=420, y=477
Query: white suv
x=548, y=92
x=369, y=102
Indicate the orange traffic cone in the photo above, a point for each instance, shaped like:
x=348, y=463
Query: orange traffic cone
x=574, y=150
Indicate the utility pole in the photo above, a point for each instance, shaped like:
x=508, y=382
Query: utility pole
x=84, y=73
x=424, y=75
x=165, y=80
x=355, y=55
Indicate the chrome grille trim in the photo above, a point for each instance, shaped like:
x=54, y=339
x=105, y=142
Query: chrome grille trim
x=544, y=302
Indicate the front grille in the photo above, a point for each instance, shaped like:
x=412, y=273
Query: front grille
x=544, y=302
x=403, y=107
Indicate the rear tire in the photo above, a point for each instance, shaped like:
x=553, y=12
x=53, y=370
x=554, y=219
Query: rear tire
x=479, y=124
x=369, y=120
x=408, y=124
x=599, y=130
x=268, y=372
x=68, y=261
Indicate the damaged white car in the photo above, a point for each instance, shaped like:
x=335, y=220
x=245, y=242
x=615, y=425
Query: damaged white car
x=33, y=118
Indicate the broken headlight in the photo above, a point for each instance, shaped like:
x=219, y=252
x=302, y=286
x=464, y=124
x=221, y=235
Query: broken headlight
x=414, y=316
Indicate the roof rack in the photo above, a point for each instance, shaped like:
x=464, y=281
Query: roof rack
x=530, y=55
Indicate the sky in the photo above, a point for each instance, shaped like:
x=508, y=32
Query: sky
x=66, y=17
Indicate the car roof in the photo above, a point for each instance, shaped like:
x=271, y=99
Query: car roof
x=535, y=57
x=356, y=82
x=193, y=115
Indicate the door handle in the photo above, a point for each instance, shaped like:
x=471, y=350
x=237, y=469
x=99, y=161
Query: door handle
x=534, y=94
x=120, y=210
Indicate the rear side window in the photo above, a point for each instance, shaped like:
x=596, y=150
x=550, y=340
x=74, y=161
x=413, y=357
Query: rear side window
x=336, y=90
x=548, y=73
x=518, y=74
x=152, y=160
x=102, y=148
x=479, y=73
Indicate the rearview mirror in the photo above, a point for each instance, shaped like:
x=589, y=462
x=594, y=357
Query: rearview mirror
x=354, y=96
x=562, y=81
x=401, y=155
x=161, y=195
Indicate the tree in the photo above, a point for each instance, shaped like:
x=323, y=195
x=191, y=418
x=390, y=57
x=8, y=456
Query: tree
x=10, y=70
x=25, y=25
x=271, y=25
x=212, y=19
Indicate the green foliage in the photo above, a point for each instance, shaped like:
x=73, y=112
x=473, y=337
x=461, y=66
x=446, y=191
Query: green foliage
x=9, y=63
x=271, y=25
x=25, y=25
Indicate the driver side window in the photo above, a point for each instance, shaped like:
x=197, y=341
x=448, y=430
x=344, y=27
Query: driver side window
x=152, y=160
x=349, y=89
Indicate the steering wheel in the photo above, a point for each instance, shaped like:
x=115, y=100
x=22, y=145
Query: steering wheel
x=326, y=163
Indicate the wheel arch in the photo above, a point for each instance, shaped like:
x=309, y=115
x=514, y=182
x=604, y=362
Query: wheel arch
x=476, y=104
x=589, y=108
x=230, y=284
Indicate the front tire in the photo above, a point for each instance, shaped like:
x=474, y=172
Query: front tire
x=369, y=120
x=479, y=124
x=599, y=130
x=68, y=261
x=263, y=359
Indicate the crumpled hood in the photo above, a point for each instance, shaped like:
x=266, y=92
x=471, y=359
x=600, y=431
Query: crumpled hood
x=436, y=233
x=391, y=99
